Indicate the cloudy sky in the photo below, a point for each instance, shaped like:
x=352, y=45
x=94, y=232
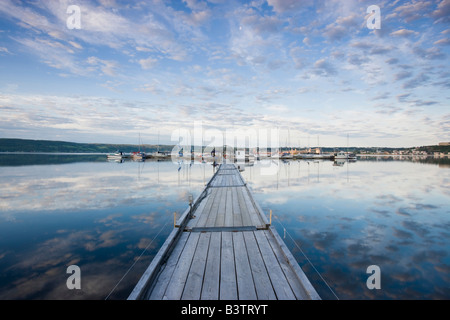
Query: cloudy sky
x=312, y=69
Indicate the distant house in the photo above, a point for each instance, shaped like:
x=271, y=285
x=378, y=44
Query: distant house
x=444, y=144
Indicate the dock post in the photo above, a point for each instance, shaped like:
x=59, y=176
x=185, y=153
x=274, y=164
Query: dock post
x=190, y=206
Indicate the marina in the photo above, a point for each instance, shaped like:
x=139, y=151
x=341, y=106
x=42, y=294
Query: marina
x=223, y=247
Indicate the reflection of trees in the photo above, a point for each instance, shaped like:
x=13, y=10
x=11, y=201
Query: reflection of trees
x=25, y=159
x=441, y=161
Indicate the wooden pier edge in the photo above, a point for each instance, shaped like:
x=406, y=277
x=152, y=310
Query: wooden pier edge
x=147, y=280
x=153, y=269
x=307, y=286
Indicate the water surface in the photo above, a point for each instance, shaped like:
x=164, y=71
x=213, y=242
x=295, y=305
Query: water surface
x=59, y=210
x=393, y=213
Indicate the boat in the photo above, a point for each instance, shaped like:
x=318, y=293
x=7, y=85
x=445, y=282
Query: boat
x=286, y=155
x=138, y=155
x=158, y=155
x=345, y=155
x=351, y=157
x=118, y=155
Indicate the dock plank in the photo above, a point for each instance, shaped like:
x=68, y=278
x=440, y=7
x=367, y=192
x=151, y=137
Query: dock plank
x=291, y=276
x=220, y=217
x=212, y=215
x=176, y=284
x=228, y=282
x=237, y=217
x=202, y=217
x=166, y=274
x=245, y=284
x=194, y=281
x=211, y=280
x=228, y=222
x=276, y=274
x=246, y=219
x=263, y=285
x=252, y=211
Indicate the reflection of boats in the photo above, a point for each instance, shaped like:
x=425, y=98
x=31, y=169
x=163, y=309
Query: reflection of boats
x=116, y=160
x=339, y=162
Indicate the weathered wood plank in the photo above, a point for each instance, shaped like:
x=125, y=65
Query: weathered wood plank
x=211, y=280
x=253, y=213
x=193, y=287
x=294, y=281
x=306, y=284
x=245, y=284
x=228, y=284
x=263, y=285
x=212, y=216
x=237, y=217
x=197, y=212
x=176, y=284
x=276, y=274
x=220, y=217
x=229, y=208
x=163, y=279
x=203, y=216
x=246, y=219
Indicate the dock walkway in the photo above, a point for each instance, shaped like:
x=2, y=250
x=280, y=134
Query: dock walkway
x=224, y=249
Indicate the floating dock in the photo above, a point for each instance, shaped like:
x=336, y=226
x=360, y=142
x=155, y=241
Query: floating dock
x=223, y=248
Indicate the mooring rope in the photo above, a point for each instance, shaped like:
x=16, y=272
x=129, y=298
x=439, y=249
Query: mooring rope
x=134, y=263
x=309, y=261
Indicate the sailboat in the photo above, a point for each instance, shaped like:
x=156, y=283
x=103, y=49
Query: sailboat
x=138, y=155
x=345, y=155
x=158, y=154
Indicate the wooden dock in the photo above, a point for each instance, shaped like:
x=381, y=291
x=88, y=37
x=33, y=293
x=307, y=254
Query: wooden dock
x=223, y=248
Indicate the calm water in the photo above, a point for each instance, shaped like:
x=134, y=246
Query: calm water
x=56, y=211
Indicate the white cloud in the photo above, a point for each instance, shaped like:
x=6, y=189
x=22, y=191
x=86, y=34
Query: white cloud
x=148, y=63
x=107, y=67
x=4, y=50
x=403, y=33
x=282, y=6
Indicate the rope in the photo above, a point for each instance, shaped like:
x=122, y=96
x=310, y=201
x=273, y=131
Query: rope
x=134, y=263
x=309, y=261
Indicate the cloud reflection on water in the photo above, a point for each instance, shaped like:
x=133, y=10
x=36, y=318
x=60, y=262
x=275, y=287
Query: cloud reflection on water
x=99, y=216
x=368, y=212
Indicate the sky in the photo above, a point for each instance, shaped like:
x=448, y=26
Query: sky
x=140, y=71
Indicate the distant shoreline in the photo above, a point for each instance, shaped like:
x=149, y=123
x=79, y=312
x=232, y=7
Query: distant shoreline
x=56, y=153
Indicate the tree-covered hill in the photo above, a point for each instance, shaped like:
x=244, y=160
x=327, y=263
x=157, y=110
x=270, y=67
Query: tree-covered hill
x=23, y=145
